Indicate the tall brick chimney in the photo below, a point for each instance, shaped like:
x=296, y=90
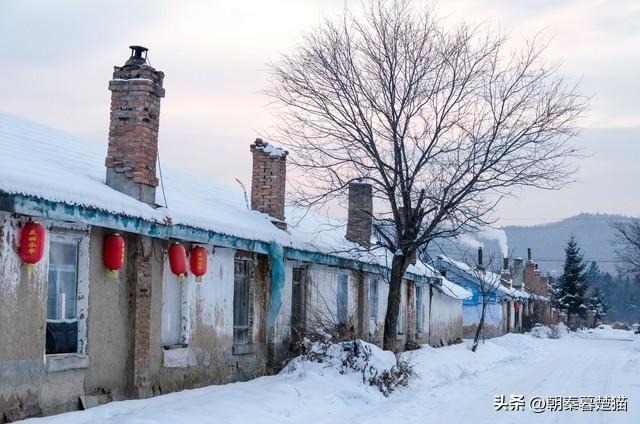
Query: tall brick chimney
x=360, y=213
x=136, y=90
x=268, y=181
x=505, y=276
x=517, y=275
x=529, y=272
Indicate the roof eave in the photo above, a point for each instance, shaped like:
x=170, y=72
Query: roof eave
x=38, y=207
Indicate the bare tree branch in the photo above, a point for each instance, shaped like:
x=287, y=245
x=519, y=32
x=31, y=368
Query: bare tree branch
x=442, y=122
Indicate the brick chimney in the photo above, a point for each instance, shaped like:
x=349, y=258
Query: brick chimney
x=505, y=276
x=360, y=213
x=136, y=90
x=268, y=181
x=529, y=272
x=517, y=275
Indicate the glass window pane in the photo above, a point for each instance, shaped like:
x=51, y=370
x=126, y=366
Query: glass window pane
x=63, y=280
x=62, y=324
x=242, y=281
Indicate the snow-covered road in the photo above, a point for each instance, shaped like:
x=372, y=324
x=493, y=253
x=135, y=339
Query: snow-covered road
x=455, y=386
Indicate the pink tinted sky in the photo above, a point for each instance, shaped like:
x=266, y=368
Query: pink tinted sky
x=56, y=59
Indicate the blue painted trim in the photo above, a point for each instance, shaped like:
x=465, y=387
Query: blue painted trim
x=32, y=206
x=276, y=261
x=339, y=262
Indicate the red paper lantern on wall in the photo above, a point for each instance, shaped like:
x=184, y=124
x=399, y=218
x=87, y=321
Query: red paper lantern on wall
x=31, y=243
x=178, y=260
x=516, y=306
x=198, y=262
x=113, y=253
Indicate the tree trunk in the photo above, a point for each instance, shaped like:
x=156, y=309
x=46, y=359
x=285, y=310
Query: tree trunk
x=476, y=338
x=398, y=266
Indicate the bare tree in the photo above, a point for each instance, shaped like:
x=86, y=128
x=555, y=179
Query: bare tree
x=442, y=122
x=628, y=244
x=489, y=279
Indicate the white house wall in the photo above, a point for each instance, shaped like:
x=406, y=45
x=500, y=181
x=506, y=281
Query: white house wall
x=445, y=326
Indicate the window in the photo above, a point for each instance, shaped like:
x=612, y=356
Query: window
x=241, y=301
x=342, y=300
x=373, y=299
x=419, y=308
x=298, y=307
x=62, y=294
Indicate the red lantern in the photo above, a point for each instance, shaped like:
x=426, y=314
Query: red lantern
x=31, y=244
x=198, y=262
x=516, y=306
x=113, y=253
x=178, y=260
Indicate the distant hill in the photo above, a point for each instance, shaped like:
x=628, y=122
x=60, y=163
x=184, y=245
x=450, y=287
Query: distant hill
x=594, y=233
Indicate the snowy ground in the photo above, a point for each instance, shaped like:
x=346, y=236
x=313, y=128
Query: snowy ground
x=455, y=385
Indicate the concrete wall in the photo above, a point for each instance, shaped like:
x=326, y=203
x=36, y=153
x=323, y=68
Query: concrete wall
x=445, y=325
x=377, y=327
x=28, y=377
x=321, y=297
x=110, y=326
x=53, y=383
x=207, y=307
x=188, y=341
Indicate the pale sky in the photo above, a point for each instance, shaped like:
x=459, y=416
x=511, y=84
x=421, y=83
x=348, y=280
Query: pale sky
x=56, y=59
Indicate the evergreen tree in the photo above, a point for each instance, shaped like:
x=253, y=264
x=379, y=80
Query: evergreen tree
x=597, y=306
x=594, y=275
x=572, y=285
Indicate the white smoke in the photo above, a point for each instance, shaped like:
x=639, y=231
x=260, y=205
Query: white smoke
x=473, y=240
x=470, y=241
x=499, y=235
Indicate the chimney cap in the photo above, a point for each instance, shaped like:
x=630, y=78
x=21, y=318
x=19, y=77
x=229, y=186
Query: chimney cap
x=138, y=55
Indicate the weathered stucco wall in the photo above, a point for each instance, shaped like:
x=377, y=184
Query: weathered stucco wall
x=24, y=377
x=22, y=317
x=323, y=295
x=109, y=329
x=207, y=307
x=197, y=314
x=377, y=327
x=445, y=326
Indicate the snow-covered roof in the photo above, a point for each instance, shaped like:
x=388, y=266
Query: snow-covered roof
x=49, y=164
x=491, y=276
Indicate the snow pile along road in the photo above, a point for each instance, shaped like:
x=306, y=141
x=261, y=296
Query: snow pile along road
x=452, y=385
x=549, y=332
x=606, y=332
x=374, y=366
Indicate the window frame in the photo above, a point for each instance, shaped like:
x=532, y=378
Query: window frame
x=79, y=236
x=342, y=298
x=238, y=329
x=419, y=301
x=373, y=299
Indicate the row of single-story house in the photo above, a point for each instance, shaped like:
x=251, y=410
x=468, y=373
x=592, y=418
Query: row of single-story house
x=516, y=299
x=76, y=332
